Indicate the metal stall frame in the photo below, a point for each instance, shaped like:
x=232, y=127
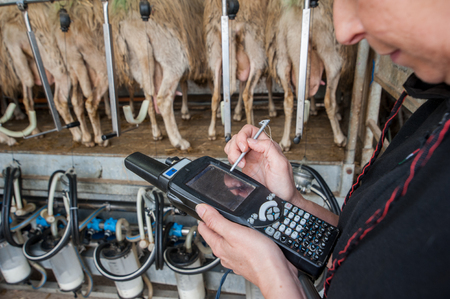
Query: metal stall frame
x=389, y=77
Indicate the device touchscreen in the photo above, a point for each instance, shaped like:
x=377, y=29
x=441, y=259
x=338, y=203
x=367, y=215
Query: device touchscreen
x=221, y=187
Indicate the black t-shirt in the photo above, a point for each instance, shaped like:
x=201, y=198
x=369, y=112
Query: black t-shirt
x=407, y=255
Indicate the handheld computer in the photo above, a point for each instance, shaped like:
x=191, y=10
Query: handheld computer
x=305, y=240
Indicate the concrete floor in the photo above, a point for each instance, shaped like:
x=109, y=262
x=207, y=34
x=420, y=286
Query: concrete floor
x=317, y=144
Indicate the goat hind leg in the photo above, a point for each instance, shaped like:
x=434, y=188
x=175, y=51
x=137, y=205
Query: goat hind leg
x=215, y=100
x=92, y=109
x=63, y=108
x=165, y=103
x=288, y=105
x=272, y=109
x=248, y=95
x=78, y=107
x=184, y=106
x=331, y=108
x=238, y=109
x=28, y=102
x=156, y=132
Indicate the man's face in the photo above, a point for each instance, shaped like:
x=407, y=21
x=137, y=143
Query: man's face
x=415, y=33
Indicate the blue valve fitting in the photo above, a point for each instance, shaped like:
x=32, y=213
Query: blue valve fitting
x=42, y=222
x=95, y=224
x=110, y=225
x=176, y=230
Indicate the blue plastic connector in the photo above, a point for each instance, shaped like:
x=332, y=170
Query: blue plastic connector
x=110, y=225
x=176, y=230
x=42, y=222
x=95, y=224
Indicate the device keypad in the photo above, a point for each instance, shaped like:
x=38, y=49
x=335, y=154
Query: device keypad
x=302, y=232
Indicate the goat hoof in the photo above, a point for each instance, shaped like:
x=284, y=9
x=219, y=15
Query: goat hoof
x=342, y=143
x=273, y=113
x=285, y=147
x=11, y=141
x=89, y=144
x=237, y=117
x=186, y=116
x=183, y=145
x=37, y=131
x=19, y=116
x=101, y=142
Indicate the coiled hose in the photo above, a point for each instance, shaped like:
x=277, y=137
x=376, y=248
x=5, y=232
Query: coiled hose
x=331, y=200
x=159, y=213
x=73, y=217
x=35, y=239
x=115, y=277
x=188, y=246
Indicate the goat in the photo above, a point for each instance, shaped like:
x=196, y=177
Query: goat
x=282, y=44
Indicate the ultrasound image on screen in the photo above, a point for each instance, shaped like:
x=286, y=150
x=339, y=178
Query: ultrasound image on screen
x=221, y=187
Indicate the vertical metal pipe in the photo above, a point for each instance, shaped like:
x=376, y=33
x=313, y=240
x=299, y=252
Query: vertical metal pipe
x=226, y=71
x=302, y=72
x=109, y=51
x=40, y=66
x=373, y=109
x=357, y=95
x=224, y=7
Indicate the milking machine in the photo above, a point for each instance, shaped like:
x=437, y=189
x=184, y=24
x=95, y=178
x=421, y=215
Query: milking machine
x=304, y=176
x=13, y=265
x=118, y=259
x=145, y=10
x=110, y=66
x=229, y=10
x=52, y=239
x=125, y=247
x=56, y=237
x=306, y=179
x=303, y=103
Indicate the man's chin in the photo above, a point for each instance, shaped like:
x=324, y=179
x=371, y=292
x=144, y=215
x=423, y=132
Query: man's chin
x=432, y=76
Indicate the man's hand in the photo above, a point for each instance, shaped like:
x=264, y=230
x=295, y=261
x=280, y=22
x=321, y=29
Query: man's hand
x=264, y=162
x=250, y=254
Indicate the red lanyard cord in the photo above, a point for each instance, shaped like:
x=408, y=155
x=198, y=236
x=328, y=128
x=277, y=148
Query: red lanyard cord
x=421, y=158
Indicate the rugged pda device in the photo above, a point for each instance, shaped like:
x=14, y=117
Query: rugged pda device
x=305, y=240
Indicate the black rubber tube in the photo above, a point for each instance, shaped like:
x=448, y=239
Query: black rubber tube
x=153, y=257
x=33, y=240
x=323, y=185
x=116, y=277
x=73, y=200
x=167, y=229
x=6, y=207
x=159, y=215
x=62, y=242
x=331, y=200
x=190, y=271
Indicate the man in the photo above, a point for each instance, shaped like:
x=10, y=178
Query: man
x=395, y=226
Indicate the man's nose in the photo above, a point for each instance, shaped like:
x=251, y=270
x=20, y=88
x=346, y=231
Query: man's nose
x=349, y=29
